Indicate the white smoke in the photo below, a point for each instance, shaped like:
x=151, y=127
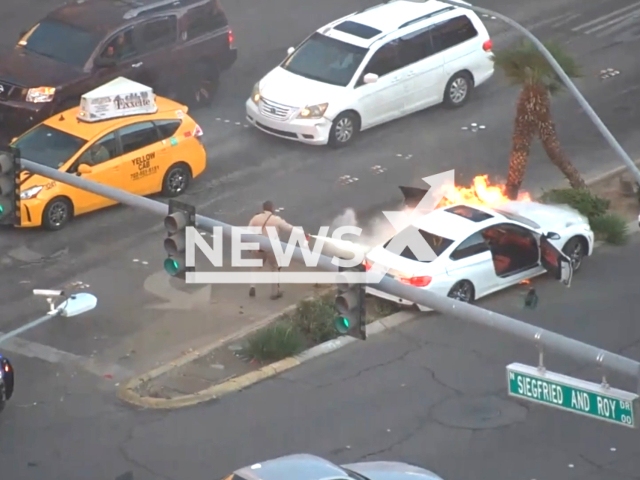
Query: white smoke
x=375, y=231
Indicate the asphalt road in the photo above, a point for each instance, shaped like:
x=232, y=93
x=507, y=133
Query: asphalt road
x=245, y=166
x=431, y=392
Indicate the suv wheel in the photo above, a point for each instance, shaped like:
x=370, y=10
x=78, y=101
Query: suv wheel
x=202, y=87
x=458, y=90
x=344, y=129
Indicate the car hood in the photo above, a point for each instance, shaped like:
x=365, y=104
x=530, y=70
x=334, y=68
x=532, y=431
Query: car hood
x=551, y=218
x=26, y=69
x=391, y=471
x=292, y=90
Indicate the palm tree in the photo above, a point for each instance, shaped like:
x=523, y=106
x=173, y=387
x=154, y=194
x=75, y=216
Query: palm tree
x=524, y=65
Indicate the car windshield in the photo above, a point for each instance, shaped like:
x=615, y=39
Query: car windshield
x=437, y=243
x=326, y=60
x=518, y=218
x=61, y=42
x=48, y=146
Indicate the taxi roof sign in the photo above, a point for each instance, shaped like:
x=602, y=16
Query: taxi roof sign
x=118, y=98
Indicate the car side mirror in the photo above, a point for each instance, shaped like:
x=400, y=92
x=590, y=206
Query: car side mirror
x=552, y=236
x=370, y=78
x=102, y=62
x=290, y=50
x=84, y=169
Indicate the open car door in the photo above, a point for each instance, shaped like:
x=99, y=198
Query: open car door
x=555, y=262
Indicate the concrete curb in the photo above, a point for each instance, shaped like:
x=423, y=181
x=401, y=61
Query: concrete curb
x=127, y=391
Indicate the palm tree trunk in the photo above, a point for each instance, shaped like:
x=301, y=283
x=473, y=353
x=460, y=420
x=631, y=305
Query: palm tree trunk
x=551, y=144
x=524, y=130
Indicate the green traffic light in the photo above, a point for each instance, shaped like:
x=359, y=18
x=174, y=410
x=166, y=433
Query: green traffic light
x=171, y=266
x=341, y=324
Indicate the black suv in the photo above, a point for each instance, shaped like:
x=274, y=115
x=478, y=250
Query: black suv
x=177, y=47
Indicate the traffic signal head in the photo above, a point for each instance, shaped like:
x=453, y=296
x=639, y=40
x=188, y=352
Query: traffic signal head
x=181, y=216
x=10, y=186
x=350, y=304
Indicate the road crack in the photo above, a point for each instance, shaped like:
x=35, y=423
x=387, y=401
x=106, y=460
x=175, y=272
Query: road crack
x=132, y=461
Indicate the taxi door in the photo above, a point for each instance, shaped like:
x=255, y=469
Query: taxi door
x=100, y=162
x=145, y=157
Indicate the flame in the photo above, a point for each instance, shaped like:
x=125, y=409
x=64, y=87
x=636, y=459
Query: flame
x=480, y=193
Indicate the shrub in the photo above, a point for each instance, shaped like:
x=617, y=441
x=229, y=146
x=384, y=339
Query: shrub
x=611, y=228
x=275, y=342
x=588, y=204
x=314, y=319
x=384, y=308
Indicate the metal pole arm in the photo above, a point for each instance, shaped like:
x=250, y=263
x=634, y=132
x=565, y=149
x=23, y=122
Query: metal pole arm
x=469, y=313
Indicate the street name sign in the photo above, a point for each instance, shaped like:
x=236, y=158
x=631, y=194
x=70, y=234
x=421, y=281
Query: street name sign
x=572, y=394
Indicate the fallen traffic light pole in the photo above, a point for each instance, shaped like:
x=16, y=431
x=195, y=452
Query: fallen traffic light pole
x=542, y=339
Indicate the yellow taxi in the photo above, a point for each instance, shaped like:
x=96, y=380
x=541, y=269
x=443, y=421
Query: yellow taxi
x=121, y=135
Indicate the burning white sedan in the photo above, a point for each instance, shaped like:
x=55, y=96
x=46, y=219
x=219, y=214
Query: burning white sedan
x=480, y=250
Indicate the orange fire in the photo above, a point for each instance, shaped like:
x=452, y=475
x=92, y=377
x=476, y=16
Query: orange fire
x=480, y=193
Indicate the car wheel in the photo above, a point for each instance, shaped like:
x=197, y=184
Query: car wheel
x=458, y=90
x=202, y=87
x=463, y=291
x=176, y=180
x=576, y=250
x=344, y=129
x=57, y=214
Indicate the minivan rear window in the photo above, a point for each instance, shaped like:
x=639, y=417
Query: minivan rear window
x=437, y=243
x=325, y=60
x=453, y=32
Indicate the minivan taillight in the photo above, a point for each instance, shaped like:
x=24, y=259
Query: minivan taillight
x=230, y=37
x=367, y=264
x=487, y=46
x=416, y=281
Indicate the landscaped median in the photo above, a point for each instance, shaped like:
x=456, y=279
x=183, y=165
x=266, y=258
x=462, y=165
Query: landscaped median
x=303, y=332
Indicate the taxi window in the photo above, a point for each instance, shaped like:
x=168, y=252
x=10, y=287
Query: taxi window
x=48, y=146
x=101, y=151
x=167, y=128
x=137, y=136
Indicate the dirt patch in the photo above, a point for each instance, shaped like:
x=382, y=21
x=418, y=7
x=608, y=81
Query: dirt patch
x=622, y=191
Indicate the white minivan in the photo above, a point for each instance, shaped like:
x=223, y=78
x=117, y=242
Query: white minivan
x=371, y=67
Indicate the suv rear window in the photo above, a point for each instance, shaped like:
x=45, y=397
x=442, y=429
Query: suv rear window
x=203, y=20
x=325, y=60
x=452, y=32
x=61, y=42
x=437, y=243
x=48, y=146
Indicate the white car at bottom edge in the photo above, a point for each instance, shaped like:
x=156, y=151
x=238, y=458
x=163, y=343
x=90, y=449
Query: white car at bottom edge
x=480, y=250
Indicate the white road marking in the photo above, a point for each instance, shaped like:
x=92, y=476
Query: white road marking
x=547, y=21
x=627, y=21
x=605, y=17
x=49, y=354
x=566, y=20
